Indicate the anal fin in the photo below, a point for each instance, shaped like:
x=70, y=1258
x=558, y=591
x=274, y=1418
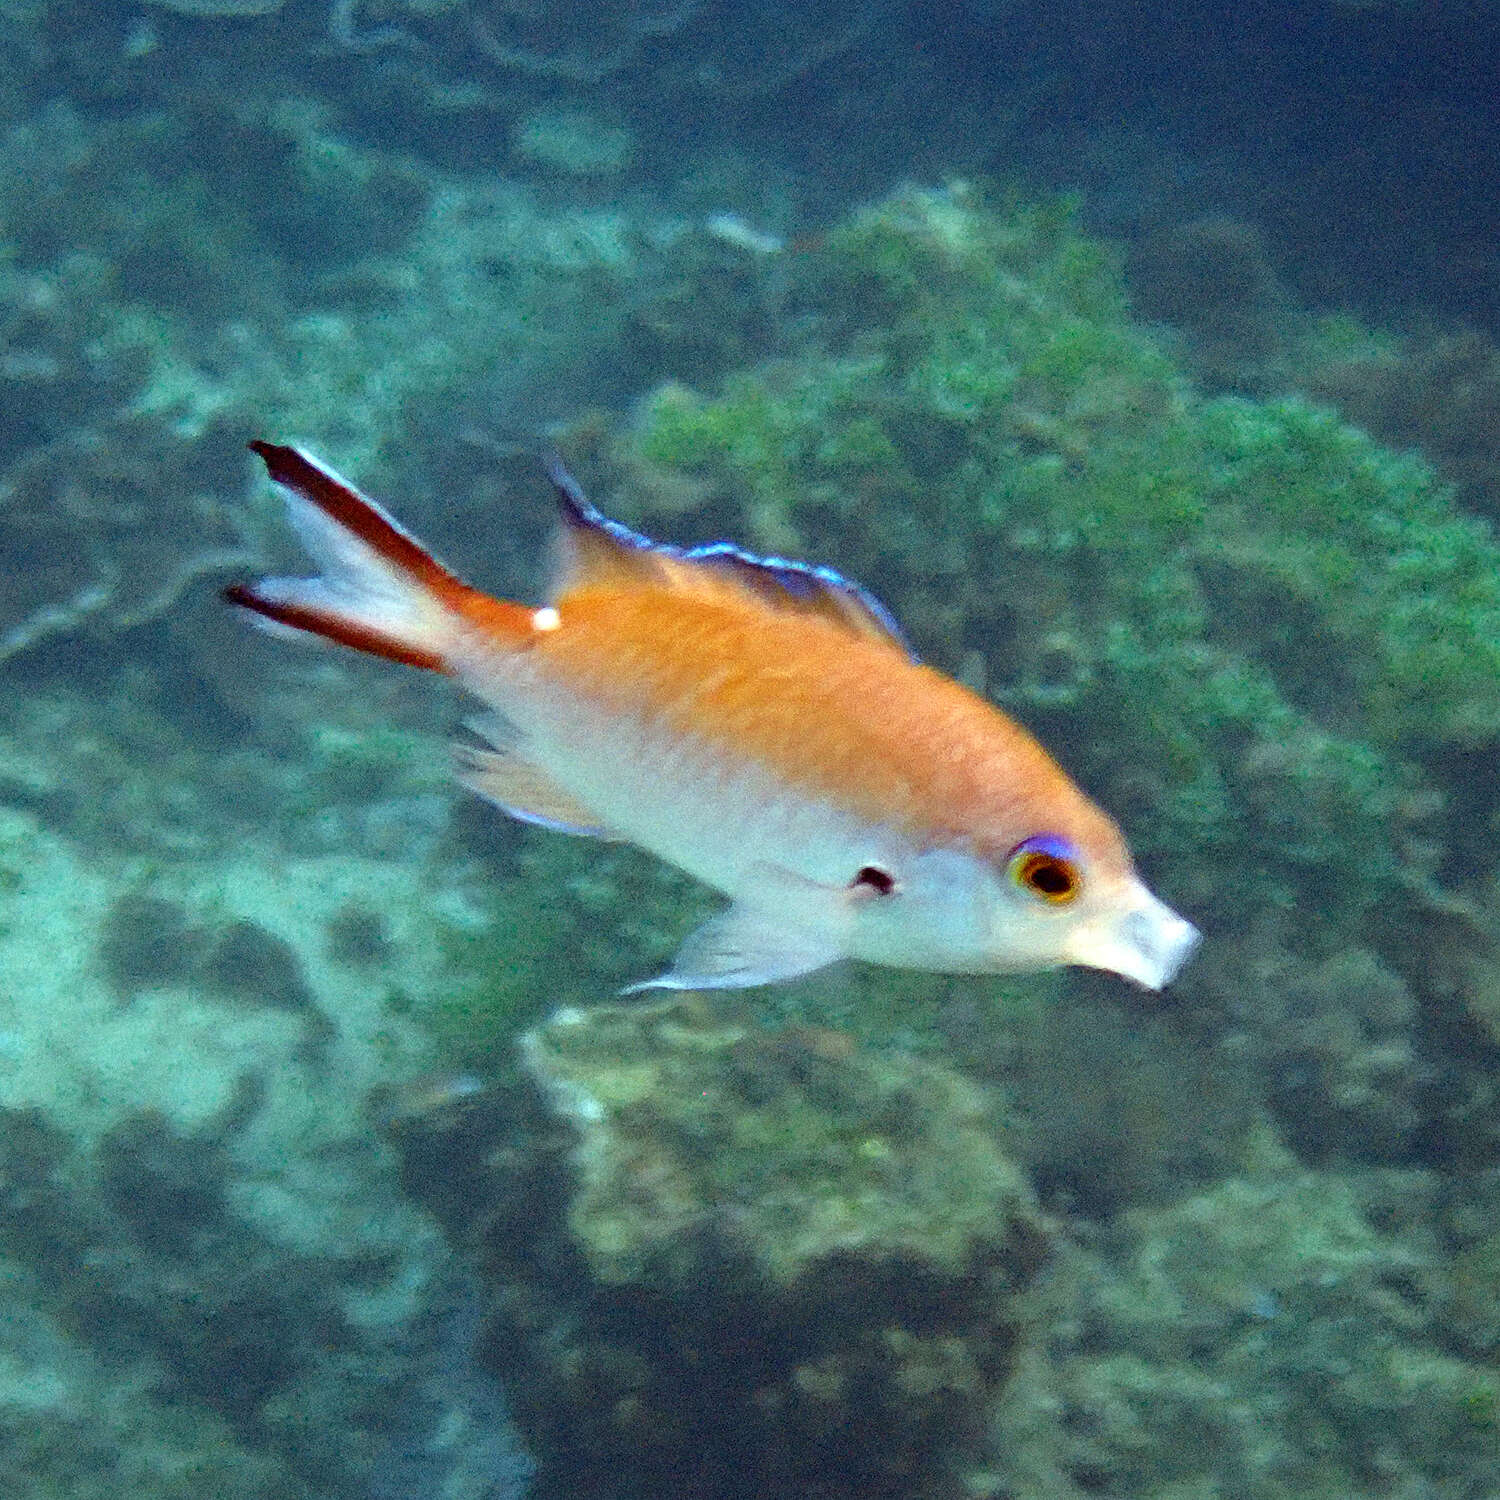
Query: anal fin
x=524, y=791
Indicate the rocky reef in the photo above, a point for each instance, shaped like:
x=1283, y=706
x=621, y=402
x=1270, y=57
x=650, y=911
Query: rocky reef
x=239, y=918
x=730, y=1260
x=213, y=1282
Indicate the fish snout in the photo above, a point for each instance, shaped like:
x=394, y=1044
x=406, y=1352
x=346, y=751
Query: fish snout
x=1146, y=941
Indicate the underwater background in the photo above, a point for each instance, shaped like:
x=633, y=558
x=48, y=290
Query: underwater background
x=1144, y=359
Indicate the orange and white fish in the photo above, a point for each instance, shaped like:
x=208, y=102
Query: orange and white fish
x=758, y=723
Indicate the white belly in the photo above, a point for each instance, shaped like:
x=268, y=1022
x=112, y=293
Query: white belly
x=736, y=826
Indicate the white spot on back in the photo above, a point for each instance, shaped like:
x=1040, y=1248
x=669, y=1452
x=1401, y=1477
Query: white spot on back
x=545, y=618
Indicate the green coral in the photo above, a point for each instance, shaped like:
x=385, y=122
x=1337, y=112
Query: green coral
x=1245, y=625
x=1267, y=1338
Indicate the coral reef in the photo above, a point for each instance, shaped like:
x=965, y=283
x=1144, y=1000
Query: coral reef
x=1115, y=1110
x=576, y=41
x=578, y=45
x=1273, y=1336
x=133, y=375
x=236, y=907
x=1252, y=631
x=1437, y=391
x=729, y=1260
x=213, y=1282
x=1344, y=1079
x=573, y=142
x=220, y=7
x=1212, y=280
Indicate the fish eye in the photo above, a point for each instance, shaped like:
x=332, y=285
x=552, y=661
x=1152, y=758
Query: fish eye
x=1044, y=867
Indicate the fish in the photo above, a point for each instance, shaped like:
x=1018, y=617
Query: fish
x=731, y=229
x=759, y=723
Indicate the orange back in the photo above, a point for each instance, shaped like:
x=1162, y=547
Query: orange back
x=841, y=715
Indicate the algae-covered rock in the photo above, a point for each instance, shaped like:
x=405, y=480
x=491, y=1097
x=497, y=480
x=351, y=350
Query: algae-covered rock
x=212, y=1286
x=1269, y=1338
x=730, y=1261
x=1342, y=1072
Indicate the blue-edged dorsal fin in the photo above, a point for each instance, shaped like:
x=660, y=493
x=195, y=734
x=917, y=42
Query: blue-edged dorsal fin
x=593, y=550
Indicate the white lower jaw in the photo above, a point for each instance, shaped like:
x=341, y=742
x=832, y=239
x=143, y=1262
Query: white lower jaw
x=1147, y=942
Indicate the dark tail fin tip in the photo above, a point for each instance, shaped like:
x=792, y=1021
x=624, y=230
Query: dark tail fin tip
x=342, y=503
x=312, y=480
x=283, y=463
x=346, y=630
x=241, y=594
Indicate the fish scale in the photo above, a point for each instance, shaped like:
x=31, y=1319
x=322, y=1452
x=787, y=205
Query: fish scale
x=851, y=719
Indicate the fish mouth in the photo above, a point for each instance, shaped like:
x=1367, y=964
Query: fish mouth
x=1146, y=942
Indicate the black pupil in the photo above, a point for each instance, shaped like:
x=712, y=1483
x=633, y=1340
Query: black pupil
x=1051, y=878
x=882, y=882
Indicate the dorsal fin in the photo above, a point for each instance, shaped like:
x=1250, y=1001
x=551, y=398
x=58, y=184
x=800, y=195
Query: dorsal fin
x=594, y=550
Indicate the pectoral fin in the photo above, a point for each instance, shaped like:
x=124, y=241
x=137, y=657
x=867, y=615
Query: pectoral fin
x=739, y=948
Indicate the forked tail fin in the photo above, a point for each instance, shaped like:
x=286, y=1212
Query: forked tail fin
x=378, y=590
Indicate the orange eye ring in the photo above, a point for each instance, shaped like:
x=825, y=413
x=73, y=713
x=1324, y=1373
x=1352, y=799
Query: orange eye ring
x=1046, y=875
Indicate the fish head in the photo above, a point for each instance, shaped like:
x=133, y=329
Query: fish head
x=1065, y=900
x=1044, y=902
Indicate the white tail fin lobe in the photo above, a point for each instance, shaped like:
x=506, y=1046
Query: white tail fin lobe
x=379, y=590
